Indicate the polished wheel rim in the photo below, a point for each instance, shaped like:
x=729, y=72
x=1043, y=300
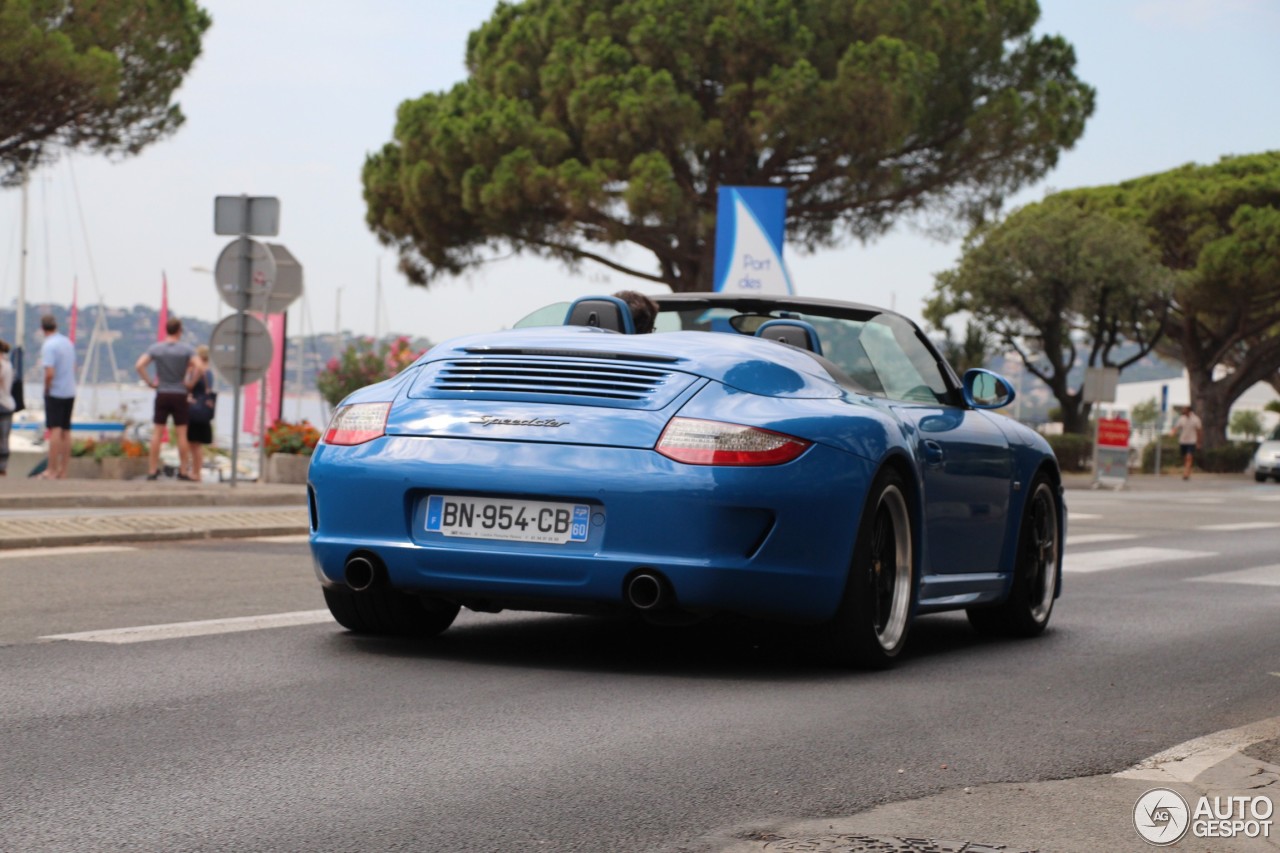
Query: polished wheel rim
x=1042, y=553
x=891, y=568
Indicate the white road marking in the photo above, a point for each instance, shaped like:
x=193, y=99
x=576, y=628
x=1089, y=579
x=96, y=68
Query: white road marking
x=1120, y=558
x=176, y=630
x=286, y=539
x=1257, y=576
x=1082, y=516
x=1199, y=500
x=1241, y=525
x=1266, y=497
x=62, y=551
x=1091, y=538
x=1186, y=761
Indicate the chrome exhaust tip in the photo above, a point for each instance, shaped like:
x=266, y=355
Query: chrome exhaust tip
x=647, y=591
x=359, y=573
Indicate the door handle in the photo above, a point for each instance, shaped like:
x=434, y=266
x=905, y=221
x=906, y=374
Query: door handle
x=933, y=455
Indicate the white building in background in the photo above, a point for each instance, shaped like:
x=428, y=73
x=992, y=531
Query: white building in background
x=1129, y=394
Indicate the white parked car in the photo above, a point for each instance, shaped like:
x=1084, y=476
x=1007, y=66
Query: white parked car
x=1266, y=462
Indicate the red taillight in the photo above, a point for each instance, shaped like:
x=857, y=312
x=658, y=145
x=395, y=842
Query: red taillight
x=357, y=423
x=698, y=442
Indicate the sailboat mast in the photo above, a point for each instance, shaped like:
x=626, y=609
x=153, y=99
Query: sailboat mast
x=20, y=331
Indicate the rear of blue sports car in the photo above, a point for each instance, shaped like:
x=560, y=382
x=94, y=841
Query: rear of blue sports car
x=576, y=470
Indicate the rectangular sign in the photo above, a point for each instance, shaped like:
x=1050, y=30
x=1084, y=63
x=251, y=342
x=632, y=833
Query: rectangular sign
x=1113, y=432
x=246, y=214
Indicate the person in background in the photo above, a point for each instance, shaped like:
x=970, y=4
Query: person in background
x=199, y=428
x=643, y=310
x=6, y=405
x=1190, y=433
x=175, y=362
x=58, y=355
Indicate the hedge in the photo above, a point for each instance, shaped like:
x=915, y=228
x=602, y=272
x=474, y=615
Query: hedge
x=1074, y=451
x=1230, y=458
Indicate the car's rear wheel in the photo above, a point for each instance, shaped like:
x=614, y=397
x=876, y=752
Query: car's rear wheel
x=1026, y=611
x=871, y=625
x=1261, y=478
x=390, y=612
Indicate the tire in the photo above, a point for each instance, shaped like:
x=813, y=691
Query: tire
x=871, y=625
x=1261, y=478
x=1026, y=612
x=390, y=612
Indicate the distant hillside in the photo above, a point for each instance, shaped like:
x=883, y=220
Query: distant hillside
x=132, y=330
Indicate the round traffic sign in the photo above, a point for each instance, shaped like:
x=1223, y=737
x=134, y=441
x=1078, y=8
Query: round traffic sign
x=224, y=349
x=244, y=286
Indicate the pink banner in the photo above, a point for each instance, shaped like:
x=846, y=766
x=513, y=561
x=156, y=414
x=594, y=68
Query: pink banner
x=275, y=380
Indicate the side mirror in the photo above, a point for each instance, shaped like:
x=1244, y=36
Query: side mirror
x=986, y=390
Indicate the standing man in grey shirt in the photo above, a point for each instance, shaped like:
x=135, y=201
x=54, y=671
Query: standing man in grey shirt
x=175, y=370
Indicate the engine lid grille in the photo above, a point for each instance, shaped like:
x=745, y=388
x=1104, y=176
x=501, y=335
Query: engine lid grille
x=600, y=382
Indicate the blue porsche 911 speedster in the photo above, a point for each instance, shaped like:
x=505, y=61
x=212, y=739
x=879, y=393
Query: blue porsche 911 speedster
x=780, y=457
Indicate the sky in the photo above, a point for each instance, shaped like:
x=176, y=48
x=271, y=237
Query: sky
x=290, y=96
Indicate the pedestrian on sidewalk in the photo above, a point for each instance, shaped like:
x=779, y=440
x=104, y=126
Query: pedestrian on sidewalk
x=58, y=355
x=201, y=403
x=7, y=405
x=175, y=362
x=1190, y=433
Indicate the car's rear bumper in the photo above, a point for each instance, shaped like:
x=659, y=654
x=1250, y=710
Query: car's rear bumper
x=772, y=541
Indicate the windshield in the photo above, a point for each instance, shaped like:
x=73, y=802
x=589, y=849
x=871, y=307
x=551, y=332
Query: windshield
x=882, y=354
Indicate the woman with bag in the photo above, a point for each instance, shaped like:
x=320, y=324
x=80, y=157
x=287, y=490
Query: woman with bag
x=7, y=406
x=203, y=400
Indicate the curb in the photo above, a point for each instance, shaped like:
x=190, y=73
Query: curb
x=90, y=530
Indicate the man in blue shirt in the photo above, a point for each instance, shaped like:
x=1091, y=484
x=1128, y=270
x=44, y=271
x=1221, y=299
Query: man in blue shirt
x=58, y=355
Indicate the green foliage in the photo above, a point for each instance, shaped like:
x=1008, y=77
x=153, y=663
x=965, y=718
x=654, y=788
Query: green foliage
x=98, y=75
x=589, y=123
x=1246, y=422
x=1272, y=406
x=1170, y=457
x=971, y=351
x=1231, y=458
x=364, y=363
x=1218, y=228
x=1074, y=451
x=119, y=447
x=1052, y=276
x=1145, y=413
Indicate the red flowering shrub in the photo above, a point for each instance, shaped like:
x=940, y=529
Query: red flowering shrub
x=300, y=438
x=364, y=363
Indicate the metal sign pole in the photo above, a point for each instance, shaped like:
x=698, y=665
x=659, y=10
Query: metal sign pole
x=241, y=298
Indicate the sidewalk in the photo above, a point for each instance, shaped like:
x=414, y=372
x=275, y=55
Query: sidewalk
x=47, y=513
x=1165, y=482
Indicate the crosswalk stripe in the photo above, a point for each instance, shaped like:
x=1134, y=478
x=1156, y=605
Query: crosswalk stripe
x=1093, y=538
x=176, y=630
x=1241, y=525
x=1119, y=558
x=1257, y=576
x=1082, y=516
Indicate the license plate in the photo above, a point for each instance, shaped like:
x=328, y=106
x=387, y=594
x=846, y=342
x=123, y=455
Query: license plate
x=519, y=521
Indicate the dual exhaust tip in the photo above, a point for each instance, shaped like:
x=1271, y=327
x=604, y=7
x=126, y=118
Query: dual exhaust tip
x=644, y=590
x=360, y=573
x=648, y=590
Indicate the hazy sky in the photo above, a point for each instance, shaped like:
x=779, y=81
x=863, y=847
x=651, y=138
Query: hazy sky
x=290, y=95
